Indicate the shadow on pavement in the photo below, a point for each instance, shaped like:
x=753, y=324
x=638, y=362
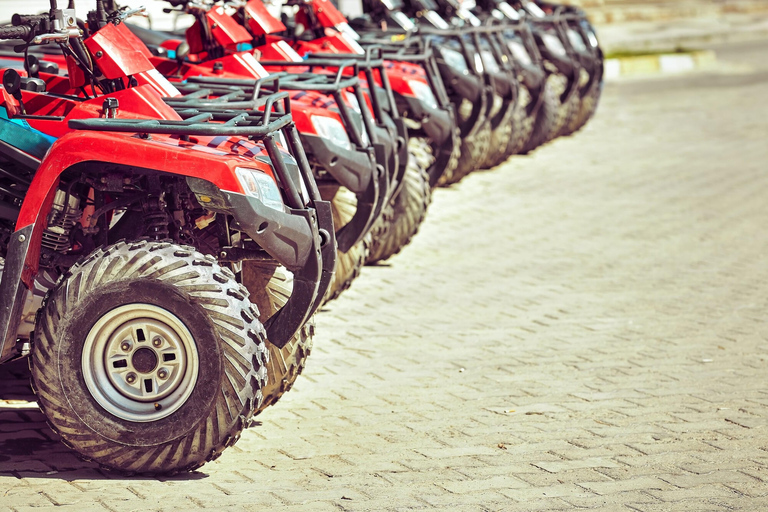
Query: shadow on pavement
x=28, y=446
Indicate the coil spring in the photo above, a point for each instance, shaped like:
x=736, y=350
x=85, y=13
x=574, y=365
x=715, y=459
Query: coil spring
x=156, y=224
x=63, y=217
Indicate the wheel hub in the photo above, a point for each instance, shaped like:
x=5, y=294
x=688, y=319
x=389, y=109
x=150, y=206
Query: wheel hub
x=140, y=362
x=144, y=360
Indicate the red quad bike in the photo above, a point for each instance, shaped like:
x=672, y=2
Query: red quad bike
x=347, y=170
x=133, y=221
x=287, y=361
x=408, y=207
x=352, y=153
x=321, y=30
x=470, y=87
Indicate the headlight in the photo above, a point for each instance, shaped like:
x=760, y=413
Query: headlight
x=576, y=41
x=423, y=92
x=478, y=63
x=261, y=186
x=509, y=11
x=490, y=61
x=455, y=60
x=332, y=130
x=592, y=38
x=352, y=100
x=534, y=9
x=553, y=44
x=519, y=52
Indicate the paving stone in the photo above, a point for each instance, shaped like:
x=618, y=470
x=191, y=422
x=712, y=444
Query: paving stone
x=583, y=327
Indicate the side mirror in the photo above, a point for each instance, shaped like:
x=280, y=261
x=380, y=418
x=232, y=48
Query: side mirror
x=182, y=51
x=12, y=84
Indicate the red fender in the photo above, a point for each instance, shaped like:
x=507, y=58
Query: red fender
x=161, y=153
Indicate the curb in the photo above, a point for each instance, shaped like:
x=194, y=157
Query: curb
x=605, y=12
x=665, y=63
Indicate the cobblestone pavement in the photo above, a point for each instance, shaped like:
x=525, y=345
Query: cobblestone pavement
x=581, y=328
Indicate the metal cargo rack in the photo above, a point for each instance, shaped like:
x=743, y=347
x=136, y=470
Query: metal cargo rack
x=246, y=93
x=254, y=124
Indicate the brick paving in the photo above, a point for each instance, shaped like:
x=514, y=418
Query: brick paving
x=581, y=328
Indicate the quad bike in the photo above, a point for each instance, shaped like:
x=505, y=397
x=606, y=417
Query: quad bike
x=412, y=92
x=499, y=71
x=573, y=62
x=536, y=103
x=126, y=226
x=352, y=153
x=582, y=39
x=293, y=354
x=473, y=90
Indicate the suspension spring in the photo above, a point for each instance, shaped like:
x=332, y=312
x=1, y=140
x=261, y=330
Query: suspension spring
x=156, y=220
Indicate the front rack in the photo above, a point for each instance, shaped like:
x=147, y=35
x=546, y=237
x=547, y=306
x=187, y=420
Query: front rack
x=415, y=49
x=246, y=94
x=219, y=96
x=372, y=60
x=255, y=125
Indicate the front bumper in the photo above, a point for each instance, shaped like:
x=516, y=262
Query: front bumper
x=300, y=239
x=358, y=171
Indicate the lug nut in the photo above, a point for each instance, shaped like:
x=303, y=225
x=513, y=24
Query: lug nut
x=125, y=346
x=162, y=373
x=157, y=341
x=130, y=378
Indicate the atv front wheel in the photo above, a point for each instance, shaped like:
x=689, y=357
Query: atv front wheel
x=406, y=211
x=148, y=358
x=501, y=136
x=572, y=106
x=546, y=117
x=350, y=263
x=523, y=123
x=587, y=108
x=437, y=174
x=270, y=286
x=473, y=151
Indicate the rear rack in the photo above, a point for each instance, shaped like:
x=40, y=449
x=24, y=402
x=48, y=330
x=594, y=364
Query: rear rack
x=253, y=124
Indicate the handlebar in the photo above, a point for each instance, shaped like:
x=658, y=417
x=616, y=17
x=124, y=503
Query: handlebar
x=28, y=19
x=9, y=32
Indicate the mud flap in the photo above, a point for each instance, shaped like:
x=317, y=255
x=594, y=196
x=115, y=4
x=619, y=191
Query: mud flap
x=402, y=134
x=310, y=282
x=13, y=291
x=367, y=211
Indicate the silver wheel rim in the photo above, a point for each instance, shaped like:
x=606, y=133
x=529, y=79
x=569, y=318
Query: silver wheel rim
x=140, y=362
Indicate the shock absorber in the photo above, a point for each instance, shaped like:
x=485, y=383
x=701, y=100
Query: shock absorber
x=156, y=219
